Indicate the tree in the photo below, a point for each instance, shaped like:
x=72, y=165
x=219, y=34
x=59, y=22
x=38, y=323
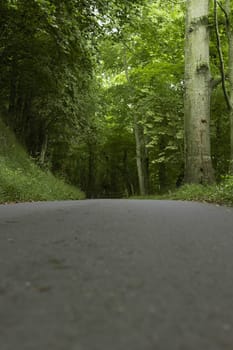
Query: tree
x=141, y=154
x=198, y=163
x=146, y=69
x=226, y=49
x=94, y=89
x=47, y=60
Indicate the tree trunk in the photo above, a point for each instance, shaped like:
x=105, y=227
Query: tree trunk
x=141, y=156
x=91, y=171
x=198, y=164
x=230, y=76
x=129, y=188
x=12, y=96
x=43, y=151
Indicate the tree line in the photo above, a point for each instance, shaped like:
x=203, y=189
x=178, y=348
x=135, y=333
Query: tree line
x=120, y=98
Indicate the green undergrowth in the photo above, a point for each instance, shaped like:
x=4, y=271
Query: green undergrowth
x=22, y=180
x=221, y=193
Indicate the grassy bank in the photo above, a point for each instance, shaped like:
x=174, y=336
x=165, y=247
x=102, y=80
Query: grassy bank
x=220, y=194
x=22, y=180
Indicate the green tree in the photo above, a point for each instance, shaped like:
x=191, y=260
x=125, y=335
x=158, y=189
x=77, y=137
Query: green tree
x=148, y=75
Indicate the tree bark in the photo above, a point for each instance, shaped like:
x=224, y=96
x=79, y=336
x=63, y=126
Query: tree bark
x=198, y=163
x=140, y=157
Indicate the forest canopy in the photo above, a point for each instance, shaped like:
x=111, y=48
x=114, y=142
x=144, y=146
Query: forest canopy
x=101, y=92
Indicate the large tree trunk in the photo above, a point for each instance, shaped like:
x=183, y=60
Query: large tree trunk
x=198, y=165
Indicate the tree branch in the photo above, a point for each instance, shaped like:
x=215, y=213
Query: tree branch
x=215, y=82
x=220, y=54
x=223, y=10
x=226, y=14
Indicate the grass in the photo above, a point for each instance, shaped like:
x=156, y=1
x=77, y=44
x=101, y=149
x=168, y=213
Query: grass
x=221, y=193
x=21, y=180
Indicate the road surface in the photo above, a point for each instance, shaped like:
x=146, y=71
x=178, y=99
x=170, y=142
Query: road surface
x=116, y=275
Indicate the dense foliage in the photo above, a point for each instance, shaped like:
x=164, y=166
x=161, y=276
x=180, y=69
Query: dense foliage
x=22, y=180
x=92, y=87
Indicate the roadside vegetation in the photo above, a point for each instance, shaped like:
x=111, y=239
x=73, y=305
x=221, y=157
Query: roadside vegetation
x=22, y=180
x=100, y=94
x=221, y=193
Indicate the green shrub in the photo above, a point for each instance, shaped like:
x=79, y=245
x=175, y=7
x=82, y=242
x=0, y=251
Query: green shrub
x=221, y=193
x=224, y=191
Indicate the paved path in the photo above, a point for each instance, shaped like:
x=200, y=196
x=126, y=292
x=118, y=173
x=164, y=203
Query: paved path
x=116, y=275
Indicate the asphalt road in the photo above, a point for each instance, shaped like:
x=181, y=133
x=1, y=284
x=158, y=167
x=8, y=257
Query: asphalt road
x=116, y=275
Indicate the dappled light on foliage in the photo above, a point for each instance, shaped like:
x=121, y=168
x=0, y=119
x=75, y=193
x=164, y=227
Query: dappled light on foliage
x=94, y=92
